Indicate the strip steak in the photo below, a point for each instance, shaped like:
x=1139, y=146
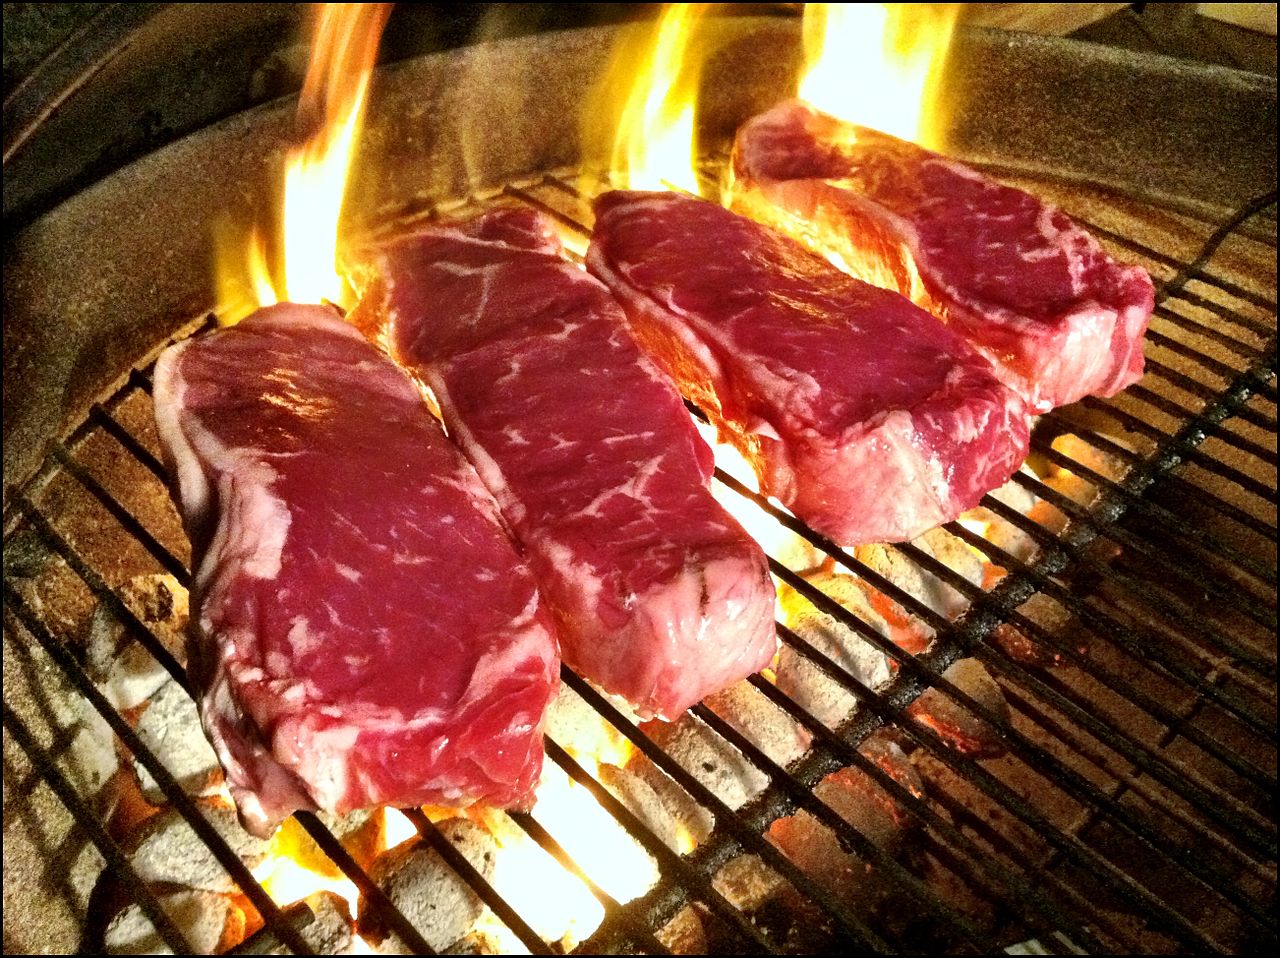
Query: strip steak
x=366, y=632
x=1031, y=290
x=864, y=415
x=588, y=448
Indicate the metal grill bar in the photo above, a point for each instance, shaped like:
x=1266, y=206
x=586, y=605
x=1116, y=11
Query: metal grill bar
x=1191, y=325
x=1131, y=500
x=458, y=862
x=1172, y=608
x=226, y=857
x=1217, y=585
x=1201, y=302
x=798, y=796
x=1225, y=509
x=734, y=832
x=688, y=876
x=369, y=890
x=1135, y=424
x=88, y=822
x=153, y=645
x=1196, y=268
x=980, y=599
x=1029, y=752
x=883, y=708
x=639, y=933
x=1185, y=273
x=973, y=857
x=1157, y=601
x=904, y=598
x=1201, y=794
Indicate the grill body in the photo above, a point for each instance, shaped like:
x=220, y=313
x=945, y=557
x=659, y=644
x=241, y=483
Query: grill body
x=1132, y=808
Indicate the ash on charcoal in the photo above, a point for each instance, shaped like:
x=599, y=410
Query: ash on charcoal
x=773, y=905
x=1050, y=616
x=957, y=557
x=169, y=850
x=677, y=804
x=761, y=722
x=50, y=865
x=806, y=683
x=959, y=727
x=330, y=932
x=211, y=923
x=579, y=729
x=903, y=572
x=170, y=728
x=429, y=893
x=360, y=832
x=1003, y=534
x=865, y=805
x=747, y=883
x=121, y=666
x=684, y=934
x=643, y=802
x=710, y=759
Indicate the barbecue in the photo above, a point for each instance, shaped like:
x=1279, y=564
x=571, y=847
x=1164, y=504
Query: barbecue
x=1091, y=651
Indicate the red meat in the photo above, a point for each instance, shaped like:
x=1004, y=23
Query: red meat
x=588, y=448
x=863, y=414
x=1028, y=288
x=365, y=632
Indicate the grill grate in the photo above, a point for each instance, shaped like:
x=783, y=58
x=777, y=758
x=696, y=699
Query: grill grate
x=1132, y=809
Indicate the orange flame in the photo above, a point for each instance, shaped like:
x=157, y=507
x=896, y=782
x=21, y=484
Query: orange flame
x=329, y=115
x=653, y=137
x=877, y=64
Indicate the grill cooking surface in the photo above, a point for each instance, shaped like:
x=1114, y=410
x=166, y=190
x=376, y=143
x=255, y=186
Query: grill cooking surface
x=1132, y=636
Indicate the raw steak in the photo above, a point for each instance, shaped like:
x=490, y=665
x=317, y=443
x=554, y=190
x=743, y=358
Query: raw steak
x=868, y=418
x=366, y=633
x=587, y=446
x=1032, y=291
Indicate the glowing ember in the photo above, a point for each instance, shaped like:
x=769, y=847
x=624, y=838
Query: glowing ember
x=396, y=828
x=877, y=64
x=329, y=115
x=774, y=538
x=295, y=868
x=653, y=138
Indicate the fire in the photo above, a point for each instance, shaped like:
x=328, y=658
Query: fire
x=877, y=65
x=773, y=537
x=295, y=867
x=555, y=903
x=315, y=178
x=653, y=145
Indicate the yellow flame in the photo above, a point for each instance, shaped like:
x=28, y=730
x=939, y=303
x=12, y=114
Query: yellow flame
x=773, y=537
x=295, y=868
x=653, y=144
x=315, y=178
x=555, y=903
x=877, y=64
x=333, y=97
x=396, y=828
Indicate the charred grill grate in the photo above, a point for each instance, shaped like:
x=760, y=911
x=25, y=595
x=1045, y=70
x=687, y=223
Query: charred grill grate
x=1133, y=807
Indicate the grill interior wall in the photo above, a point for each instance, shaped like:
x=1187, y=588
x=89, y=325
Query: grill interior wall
x=1131, y=809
